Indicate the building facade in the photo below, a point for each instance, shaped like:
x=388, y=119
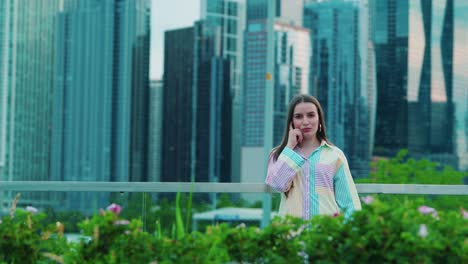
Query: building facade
x=101, y=103
x=422, y=102
x=281, y=65
x=340, y=76
x=390, y=37
x=213, y=105
x=177, y=114
x=437, y=81
x=229, y=16
x=27, y=43
x=156, y=104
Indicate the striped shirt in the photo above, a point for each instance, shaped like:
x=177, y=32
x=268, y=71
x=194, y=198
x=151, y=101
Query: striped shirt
x=318, y=184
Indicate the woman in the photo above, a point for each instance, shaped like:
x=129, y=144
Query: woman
x=312, y=174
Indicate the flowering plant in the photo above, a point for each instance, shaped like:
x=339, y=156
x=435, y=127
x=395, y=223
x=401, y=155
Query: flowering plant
x=24, y=239
x=380, y=233
x=113, y=240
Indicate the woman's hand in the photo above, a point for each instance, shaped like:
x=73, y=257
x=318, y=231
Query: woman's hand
x=295, y=137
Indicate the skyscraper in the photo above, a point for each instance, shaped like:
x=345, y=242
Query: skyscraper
x=101, y=104
x=290, y=75
x=27, y=43
x=437, y=81
x=213, y=105
x=197, y=129
x=178, y=109
x=155, y=151
x=340, y=76
x=390, y=37
x=422, y=102
x=229, y=16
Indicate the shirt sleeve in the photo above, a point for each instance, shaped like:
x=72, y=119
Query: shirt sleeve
x=281, y=172
x=346, y=195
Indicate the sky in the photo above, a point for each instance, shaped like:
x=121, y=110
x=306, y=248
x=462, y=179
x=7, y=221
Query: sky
x=167, y=15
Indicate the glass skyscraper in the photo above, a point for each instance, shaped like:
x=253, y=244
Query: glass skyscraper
x=291, y=69
x=390, y=37
x=291, y=77
x=27, y=43
x=213, y=105
x=292, y=58
x=341, y=78
x=177, y=114
x=438, y=81
x=422, y=57
x=101, y=103
x=229, y=16
x=155, y=130
x=82, y=114
x=74, y=92
x=285, y=71
x=197, y=104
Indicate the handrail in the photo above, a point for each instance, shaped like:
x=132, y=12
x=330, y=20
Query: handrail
x=209, y=187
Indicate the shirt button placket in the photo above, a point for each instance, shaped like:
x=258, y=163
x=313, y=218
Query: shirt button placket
x=307, y=211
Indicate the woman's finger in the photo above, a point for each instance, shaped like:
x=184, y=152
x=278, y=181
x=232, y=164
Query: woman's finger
x=299, y=136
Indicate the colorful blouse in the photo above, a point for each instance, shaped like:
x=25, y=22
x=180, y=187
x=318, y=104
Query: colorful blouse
x=318, y=184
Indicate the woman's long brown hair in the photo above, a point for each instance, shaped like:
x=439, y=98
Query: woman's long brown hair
x=321, y=133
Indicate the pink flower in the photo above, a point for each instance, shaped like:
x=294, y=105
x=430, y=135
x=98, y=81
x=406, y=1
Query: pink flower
x=335, y=214
x=31, y=209
x=423, y=231
x=114, y=208
x=428, y=210
x=367, y=199
x=464, y=213
x=122, y=222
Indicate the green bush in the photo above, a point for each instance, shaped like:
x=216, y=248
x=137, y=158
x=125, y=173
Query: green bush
x=402, y=169
x=23, y=238
x=381, y=233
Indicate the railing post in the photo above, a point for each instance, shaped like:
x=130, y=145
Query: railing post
x=269, y=103
x=266, y=209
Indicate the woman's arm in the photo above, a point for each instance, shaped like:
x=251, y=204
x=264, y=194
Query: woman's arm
x=281, y=172
x=346, y=195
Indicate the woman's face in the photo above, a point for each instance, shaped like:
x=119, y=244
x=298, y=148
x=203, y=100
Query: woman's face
x=306, y=118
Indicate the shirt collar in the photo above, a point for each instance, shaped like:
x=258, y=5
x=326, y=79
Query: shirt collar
x=325, y=143
x=322, y=143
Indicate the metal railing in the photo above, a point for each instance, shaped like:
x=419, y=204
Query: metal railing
x=205, y=187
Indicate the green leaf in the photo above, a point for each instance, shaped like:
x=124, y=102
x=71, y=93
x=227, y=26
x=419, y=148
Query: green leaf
x=179, y=222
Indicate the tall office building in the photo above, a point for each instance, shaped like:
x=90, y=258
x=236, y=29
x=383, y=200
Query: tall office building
x=390, y=38
x=154, y=174
x=213, y=105
x=27, y=44
x=291, y=76
x=437, y=81
x=177, y=145
x=368, y=67
x=292, y=58
x=197, y=129
x=290, y=66
x=134, y=21
x=422, y=102
x=101, y=103
x=341, y=78
x=460, y=82
x=229, y=15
